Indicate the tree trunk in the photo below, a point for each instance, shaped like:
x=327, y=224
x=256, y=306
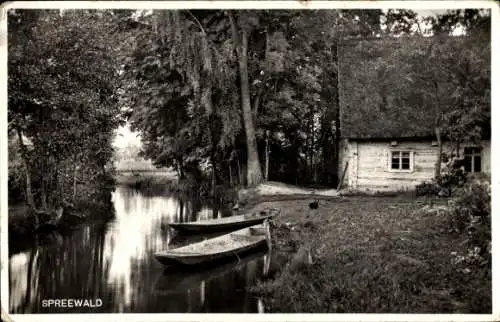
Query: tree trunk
x=266, y=175
x=74, y=182
x=256, y=103
x=240, y=44
x=336, y=152
x=437, y=174
x=230, y=175
x=180, y=171
x=312, y=161
x=327, y=144
x=254, y=173
x=240, y=180
x=337, y=118
x=260, y=91
x=58, y=197
x=181, y=211
x=214, y=181
x=215, y=211
x=437, y=130
x=29, y=193
x=44, y=193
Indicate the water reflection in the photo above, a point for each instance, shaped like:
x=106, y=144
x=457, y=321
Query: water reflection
x=217, y=289
x=23, y=287
x=114, y=262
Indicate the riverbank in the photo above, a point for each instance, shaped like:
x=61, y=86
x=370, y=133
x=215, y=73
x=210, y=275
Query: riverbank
x=23, y=231
x=157, y=182
x=22, y=227
x=131, y=178
x=368, y=255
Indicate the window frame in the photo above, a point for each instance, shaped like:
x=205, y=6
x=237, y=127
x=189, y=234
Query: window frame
x=401, y=151
x=477, y=151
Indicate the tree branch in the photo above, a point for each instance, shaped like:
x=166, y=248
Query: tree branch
x=256, y=101
x=260, y=91
x=419, y=29
x=197, y=21
x=234, y=32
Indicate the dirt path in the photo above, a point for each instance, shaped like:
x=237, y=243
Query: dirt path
x=271, y=188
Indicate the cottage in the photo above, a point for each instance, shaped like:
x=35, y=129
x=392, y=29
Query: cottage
x=381, y=164
x=387, y=145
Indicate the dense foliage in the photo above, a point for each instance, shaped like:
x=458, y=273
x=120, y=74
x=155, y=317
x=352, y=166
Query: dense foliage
x=235, y=97
x=230, y=97
x=471, y=211
x=213, y=69
x=62, y=106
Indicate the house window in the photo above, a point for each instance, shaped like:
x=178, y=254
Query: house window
x=472, y=159
x=401, y=161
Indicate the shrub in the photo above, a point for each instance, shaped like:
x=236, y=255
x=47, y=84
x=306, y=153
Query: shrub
x=471, y=215
x=427, y=189
x=16, y=184
x=453, y=176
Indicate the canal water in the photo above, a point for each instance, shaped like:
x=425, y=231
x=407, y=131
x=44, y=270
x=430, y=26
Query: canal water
x=112, y=266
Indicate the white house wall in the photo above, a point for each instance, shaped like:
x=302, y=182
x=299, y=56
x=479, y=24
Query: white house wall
x=486, y=156
x=368, y=168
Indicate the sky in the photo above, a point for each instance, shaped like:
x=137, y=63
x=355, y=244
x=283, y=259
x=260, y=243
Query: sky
x=425, y=13
x=125, y=137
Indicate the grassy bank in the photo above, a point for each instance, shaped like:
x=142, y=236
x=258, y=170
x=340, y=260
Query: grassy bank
x=159, y=184
x=369, y=254
x=130, y=178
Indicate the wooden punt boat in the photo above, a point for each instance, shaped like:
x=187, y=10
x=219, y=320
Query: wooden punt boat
x=225, y=223
x=218, y=248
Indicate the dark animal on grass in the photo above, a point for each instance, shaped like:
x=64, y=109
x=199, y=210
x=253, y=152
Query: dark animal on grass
x=314, y=204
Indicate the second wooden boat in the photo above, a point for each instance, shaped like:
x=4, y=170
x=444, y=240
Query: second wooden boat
x=226, y=223
x=210, y=250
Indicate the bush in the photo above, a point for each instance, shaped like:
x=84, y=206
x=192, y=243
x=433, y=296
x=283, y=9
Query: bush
x=16, y=184
x=474, y=198
x=471, y=215
x=427, y=189
x=453, y=176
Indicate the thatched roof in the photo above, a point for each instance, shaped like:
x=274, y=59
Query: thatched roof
x=373, y=101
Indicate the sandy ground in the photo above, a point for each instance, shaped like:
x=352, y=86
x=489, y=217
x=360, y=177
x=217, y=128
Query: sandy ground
x=276, y=188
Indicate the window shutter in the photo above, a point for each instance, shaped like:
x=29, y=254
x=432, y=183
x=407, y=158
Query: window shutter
x=412, y=161
x=387, y=160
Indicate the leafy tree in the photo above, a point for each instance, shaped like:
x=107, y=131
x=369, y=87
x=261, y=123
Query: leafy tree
x=272, y=73
x=458, y=85
x=62, y=84
x=470, y=120
x=242, y=25
x=181, y=97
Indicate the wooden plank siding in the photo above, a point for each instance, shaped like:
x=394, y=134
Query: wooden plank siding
x=369, y=164
x=486, y=156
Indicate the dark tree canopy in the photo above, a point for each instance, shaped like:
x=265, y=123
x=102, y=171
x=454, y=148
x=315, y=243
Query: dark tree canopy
x=62, y=99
